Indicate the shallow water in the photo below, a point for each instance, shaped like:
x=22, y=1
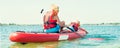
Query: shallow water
x=98, y=37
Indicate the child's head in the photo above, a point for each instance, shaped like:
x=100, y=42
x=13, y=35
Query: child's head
x=75, y=23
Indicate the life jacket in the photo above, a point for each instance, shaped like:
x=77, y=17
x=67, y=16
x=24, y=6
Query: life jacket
x=75, y=26
x=50, y=23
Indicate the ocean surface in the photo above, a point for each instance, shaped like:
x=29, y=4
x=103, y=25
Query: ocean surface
x=102, y=36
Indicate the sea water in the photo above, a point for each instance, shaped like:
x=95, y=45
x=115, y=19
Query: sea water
x=99, y=36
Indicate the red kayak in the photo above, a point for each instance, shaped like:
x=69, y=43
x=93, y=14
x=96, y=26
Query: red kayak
x=25, y=37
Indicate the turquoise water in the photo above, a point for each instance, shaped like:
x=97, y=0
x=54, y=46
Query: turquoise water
x=98, y=37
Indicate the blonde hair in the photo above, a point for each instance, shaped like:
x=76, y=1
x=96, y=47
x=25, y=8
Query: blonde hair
x=76, y=21
x=54, y=7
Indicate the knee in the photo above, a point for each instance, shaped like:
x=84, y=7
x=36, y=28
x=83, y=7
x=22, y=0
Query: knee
x=62, y=23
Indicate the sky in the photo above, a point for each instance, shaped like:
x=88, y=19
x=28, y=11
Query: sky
x=86, y=11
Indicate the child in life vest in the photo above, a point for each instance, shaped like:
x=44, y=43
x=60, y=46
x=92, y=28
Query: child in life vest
x=73, y=27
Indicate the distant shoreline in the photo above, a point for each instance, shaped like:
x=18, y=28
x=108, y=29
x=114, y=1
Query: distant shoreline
x=2, y=24
x=104, y=24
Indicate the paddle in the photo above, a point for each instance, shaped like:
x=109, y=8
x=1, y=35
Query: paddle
x=41, y=11
x=41, y=15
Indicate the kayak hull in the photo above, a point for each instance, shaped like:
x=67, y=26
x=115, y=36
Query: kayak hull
x=25, y=37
